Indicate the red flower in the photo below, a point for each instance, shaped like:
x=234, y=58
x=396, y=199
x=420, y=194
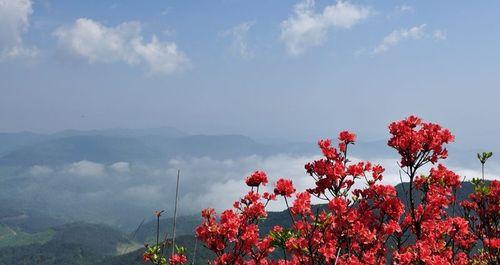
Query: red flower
x=257, y=178
x=347, y=137
x=338, y=205
x=146, y=257
x=327, y=149
x=177, y=259
x=302, y=205
x=419, y=142
x=284, y=187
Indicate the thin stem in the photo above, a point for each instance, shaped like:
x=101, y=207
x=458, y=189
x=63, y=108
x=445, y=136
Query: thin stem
x=157, y=229
x=289, y=212
x=482, y=170
x=134, y=234
x=175, y=211
x=337, y=257
x=194, y=251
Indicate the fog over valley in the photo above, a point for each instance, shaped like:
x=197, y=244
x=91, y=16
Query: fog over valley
x=119, y=177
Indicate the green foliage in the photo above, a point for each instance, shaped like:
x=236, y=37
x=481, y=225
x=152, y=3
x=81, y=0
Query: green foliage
x=481, y=186
x=155, y=255
x=279, y=238
x=483, y=157
x=180, y=250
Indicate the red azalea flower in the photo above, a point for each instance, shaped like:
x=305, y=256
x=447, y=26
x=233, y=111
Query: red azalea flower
x=284, y=187
x=146, y=257
x=347, y=137
x=177, y=259
x=257, y=178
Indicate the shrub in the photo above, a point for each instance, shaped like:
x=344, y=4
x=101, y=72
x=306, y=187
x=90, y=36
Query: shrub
x=369, y=225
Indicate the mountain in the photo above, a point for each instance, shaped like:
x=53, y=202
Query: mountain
x=100, y=239
x=71, y=244
x=15, y=216
x=76, y=148
x=185, y=225
x=12, y=141
x=169, y=132
x=15, y=140
x=51, y=253
x=13, y=237
x=108, y=149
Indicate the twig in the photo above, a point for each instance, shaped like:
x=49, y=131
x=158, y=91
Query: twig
x=194, y=251
x=175, y=211
x=134, y=234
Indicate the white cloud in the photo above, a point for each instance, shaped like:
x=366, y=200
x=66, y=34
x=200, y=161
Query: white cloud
x=205, y=182
x=306, y=28
x=404, y=8
x=120, y=167
x=145, y=193
x=395, y=37
x=98, y=43
x=14, y=21
x=222, y=181
x=439, y=35
x=38, y=170
x=238, y=35
x=86, y=168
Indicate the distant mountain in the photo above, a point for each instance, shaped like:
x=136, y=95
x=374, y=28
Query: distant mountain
x=76, y=148
x=169, y=132
x=13, y=237
x=107, y=149
x=12, y=141
x=185, y=226
x=51, y=253
x=71, y=244
x=15, y=216
x=101, y=239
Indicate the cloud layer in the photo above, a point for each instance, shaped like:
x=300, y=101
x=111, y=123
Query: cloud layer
x=413, y=33
x=396, y=36
x=14, y=21
x=96, y=42
x=126, y=192
x=306, y=28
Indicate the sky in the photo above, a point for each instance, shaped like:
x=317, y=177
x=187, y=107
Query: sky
x=294, y=70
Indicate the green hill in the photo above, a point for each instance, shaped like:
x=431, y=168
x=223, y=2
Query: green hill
x=13, y=237
x=70, y=244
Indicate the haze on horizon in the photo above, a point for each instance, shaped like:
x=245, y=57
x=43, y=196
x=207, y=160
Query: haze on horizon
x=298, y=70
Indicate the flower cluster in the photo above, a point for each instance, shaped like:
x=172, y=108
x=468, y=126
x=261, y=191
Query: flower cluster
x=372, y=224
x=235, y=237
x=256, y=179
x=417, y=142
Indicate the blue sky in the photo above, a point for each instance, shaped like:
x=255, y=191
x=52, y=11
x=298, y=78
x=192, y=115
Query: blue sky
x=297, y=70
